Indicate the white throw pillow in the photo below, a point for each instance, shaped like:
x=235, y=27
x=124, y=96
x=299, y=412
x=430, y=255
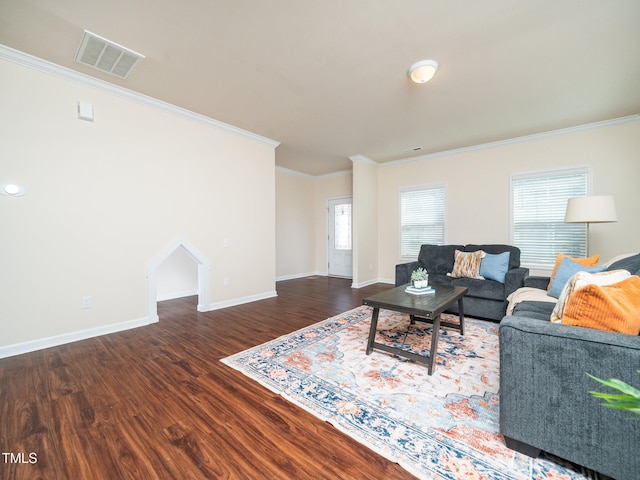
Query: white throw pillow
x=581, y=279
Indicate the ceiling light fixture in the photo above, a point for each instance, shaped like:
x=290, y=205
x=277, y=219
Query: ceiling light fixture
x=12, y=190
x=423, y=71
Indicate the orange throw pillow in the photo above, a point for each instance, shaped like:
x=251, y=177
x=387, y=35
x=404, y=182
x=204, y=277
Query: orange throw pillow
x=615, y=308
x=586, y=262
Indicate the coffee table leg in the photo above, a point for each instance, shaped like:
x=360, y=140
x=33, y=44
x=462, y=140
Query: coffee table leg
x=435, y=335
x=372, y=330
x=461, y=316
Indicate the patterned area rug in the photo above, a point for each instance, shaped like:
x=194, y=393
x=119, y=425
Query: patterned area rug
x=443, y=426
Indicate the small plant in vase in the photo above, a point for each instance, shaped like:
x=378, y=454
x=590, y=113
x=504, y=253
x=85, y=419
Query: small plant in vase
x=420, y=278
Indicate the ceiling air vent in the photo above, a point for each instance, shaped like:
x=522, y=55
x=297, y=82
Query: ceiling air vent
x=104, y=55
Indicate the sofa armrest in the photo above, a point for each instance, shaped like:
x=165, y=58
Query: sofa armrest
x=514, y=279
x=544, y=393
x=536, y=282
x=403, y=272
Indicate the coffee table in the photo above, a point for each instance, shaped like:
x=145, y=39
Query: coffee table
x=425, y=308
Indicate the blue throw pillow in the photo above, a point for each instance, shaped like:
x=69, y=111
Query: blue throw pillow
x=495, y=266
x=567, y=269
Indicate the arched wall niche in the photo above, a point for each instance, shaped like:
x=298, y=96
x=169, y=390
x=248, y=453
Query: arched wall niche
x=203, y=276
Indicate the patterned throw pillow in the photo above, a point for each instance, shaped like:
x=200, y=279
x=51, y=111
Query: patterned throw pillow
x=467, y=264
x=613, y=307
x=582, y=279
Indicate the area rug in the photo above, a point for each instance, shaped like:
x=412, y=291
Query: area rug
x=443, y=426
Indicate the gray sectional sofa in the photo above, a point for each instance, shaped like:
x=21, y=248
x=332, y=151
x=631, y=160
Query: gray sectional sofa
x=545, y=402
x=485, y=298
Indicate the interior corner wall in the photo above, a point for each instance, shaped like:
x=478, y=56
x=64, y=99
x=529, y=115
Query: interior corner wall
x=479, y=181
x=105, y=197
x=365, y=223
x=295, y=225
x=325, y=188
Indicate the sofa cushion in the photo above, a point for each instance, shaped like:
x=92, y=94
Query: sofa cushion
x=630, y=264
x=532, y=309
x=481, y=288
x=514, y=252
x=438, y=259
x=613, y=307
x=495, y=266
x=567, y=269
x=467, y=264
x=436, y=279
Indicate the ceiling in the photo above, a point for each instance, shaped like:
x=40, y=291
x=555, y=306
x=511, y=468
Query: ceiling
x=328, y=79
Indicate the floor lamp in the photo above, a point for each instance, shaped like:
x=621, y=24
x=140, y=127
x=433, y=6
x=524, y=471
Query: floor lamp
x=593, y=209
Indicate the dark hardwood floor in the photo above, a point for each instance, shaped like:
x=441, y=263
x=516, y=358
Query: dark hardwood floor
x=156, y=402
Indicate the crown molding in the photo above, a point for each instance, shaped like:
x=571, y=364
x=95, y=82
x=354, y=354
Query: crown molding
x=511, y=141
x=295, y=173
x=26, y=60
x=362, y=159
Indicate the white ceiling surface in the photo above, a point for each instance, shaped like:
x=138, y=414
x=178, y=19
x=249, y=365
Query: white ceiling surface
x=328, y=79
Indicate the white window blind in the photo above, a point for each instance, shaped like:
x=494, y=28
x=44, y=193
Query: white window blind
x=539, y=205
x=422, y=218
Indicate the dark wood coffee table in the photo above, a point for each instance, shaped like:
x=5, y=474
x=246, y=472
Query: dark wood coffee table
x=424, y=308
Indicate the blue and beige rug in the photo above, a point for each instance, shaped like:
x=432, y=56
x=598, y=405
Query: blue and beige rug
x=443, y=426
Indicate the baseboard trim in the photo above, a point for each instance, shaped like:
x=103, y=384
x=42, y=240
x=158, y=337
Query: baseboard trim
x=42, y=343
x=374, y=281
x=242, y=300
x=295, y=276
x=173, y=296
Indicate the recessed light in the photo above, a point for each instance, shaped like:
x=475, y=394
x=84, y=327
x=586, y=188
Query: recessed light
x=12, y=190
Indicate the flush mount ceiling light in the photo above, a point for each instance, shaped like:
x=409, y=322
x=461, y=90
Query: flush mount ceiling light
x=107, y=56
x=423, y=71
x=12, y=190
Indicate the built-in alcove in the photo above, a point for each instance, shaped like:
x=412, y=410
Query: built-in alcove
x=176, y=257
x=177, y=276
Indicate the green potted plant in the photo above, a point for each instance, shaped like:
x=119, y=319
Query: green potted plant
x=420, y=278
x=627, y=399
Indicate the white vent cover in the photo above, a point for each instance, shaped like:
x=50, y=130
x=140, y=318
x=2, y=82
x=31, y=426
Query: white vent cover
x=104, y=55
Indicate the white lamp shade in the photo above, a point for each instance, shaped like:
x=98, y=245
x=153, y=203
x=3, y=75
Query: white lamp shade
x=593, y=209
x=423, y=71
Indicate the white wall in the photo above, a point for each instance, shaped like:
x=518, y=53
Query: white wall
x=365, y=221
x=295, y=225
x=327, y=187
x=301, y=220
x=106, y=197
x=478, y=186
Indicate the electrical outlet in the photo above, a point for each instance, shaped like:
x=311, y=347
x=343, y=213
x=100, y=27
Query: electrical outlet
x=226, y=282
x=85, y=302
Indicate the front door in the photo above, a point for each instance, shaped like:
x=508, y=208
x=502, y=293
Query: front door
x=340, y=248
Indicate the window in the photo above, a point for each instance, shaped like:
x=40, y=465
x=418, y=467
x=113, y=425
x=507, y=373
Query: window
x=342, y=225
x=539, y=201
x=422, y=218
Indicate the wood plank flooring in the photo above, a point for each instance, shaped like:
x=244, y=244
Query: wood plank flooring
x=156, y=402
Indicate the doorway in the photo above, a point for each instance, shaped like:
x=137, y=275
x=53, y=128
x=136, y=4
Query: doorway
x=340, y=249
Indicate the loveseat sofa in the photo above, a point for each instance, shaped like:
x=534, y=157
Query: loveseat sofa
x=485, y=298
x=545, y=402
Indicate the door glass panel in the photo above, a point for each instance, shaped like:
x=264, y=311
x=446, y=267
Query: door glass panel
x=342, y=234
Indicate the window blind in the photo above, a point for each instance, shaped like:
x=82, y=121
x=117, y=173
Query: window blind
x=539, y=205
x=422, y=218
